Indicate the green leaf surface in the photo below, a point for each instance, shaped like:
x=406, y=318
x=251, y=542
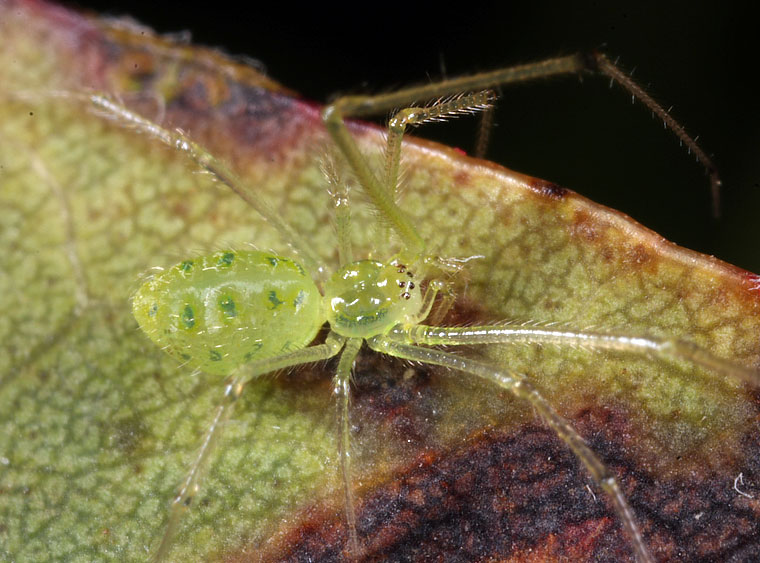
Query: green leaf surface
x=99, y=425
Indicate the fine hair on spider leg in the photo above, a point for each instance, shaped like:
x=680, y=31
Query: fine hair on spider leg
x=195, y=309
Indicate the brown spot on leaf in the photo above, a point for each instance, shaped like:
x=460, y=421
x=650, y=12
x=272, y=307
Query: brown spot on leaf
x=585, y=227
x=397, y=406
x=127, y=434
x=462, y=178
x=180, y=208
x=638, y=255
x=139, y=66
x=549, y=189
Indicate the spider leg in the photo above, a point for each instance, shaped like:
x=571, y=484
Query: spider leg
x=484, y=132
x=207, y=161
x=233, y=389
x=394, y=345
x=342, y=392
x=439, y=111
x=341, y=205
x=671, y=349
x=362, y=106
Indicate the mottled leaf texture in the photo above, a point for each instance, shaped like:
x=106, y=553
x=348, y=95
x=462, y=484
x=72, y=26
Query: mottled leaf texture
x=98, y=426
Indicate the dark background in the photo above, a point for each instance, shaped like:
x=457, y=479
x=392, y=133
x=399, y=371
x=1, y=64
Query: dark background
x=700, y=58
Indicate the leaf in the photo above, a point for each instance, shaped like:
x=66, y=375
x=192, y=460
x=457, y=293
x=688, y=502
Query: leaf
x=99, y=426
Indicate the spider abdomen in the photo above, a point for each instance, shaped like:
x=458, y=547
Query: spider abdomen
x=220, y=311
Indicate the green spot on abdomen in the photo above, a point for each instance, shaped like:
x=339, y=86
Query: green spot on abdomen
x=214, y=356
x=254, y=350
x=274, y=300
x=226, y=259
x=188, y=317
x=227, y=306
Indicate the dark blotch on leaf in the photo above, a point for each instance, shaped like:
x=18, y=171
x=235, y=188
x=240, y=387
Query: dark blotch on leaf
x=127, y=433
x=521, y=494
x=549, y=189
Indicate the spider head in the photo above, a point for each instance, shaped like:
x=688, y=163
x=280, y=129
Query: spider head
x=368, y=298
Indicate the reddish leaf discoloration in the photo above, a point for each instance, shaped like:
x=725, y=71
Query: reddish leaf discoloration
x=521, y=496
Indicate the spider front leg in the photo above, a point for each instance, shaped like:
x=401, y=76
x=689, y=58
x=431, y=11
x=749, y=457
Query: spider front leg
x=342, y=392
x=670, y=349
x=411, y=116
x=208, y=162
x=396, y=344
x=364, y=106
x=233, y=389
